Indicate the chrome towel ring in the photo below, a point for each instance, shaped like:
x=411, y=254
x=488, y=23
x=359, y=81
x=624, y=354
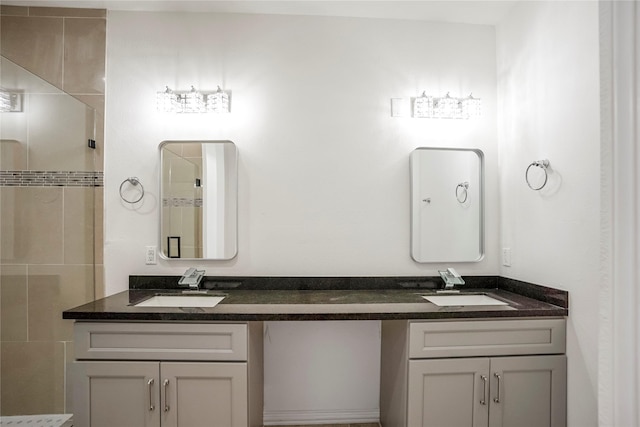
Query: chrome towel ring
x=542, y=164
x=135, y=182
x=462, y=192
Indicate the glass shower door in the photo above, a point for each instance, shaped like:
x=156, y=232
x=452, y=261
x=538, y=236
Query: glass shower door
x=49, y=188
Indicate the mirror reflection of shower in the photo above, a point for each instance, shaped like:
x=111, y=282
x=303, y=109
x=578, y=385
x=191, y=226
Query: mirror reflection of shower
x=182, y=201
x=199, y=199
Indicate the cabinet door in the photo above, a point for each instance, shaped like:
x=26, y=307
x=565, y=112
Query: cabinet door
x=204, y=394
x=528, y=391
x=123, y=394
x=448, y=393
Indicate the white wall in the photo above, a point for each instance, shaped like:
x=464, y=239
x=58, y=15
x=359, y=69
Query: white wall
x=548, y=88
x=323, y=170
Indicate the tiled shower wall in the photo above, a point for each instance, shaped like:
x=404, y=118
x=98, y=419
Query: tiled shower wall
x=51, y=205
x=182, y=207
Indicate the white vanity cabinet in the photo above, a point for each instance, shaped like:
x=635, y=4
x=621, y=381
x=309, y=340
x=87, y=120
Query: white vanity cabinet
x=168, y=375
x=496, y=373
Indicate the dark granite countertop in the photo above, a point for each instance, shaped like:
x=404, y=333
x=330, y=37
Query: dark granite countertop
x=328, y=298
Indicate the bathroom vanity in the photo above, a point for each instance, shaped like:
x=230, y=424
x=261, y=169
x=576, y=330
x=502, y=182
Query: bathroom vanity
x=473, y=373
x=475, y=365
x=167, y=374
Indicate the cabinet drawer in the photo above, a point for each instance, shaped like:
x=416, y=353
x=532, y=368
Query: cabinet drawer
x=486, y=338
x=160, y=341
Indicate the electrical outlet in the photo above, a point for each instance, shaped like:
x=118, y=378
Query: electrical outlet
x=506, y=257
x=151, y=257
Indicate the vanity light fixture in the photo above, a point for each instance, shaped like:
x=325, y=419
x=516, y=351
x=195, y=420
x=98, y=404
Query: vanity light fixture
x=10, y=102
x=192, y=101
x=446, y=107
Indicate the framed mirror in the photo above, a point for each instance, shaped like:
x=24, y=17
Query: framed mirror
x=199, y=196
x=447, y=205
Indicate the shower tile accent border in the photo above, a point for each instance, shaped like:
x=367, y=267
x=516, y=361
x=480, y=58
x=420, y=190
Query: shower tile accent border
x=64, y=12
x=181, y=202
x=26, y=178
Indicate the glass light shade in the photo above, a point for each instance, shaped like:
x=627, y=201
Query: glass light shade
x=167, y=101
x=471, y=107
x=447, y=108
x=457, y=109
x=423, y=106
x=192, y=102
x=218, y=102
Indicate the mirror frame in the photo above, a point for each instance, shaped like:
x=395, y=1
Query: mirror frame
x=161, y=187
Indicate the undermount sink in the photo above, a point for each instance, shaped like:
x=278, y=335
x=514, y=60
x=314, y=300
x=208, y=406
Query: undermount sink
x=463, y=300
x=181, y=301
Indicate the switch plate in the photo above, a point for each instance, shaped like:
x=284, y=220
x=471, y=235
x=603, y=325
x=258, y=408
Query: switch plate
x=399, y=107
x=506, y=257
x=151, y=257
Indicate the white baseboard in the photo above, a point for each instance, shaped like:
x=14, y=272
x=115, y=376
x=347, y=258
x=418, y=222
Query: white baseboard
x=321, y=417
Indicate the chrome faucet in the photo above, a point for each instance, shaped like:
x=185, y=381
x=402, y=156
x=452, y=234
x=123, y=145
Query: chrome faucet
x=191, y=278
x=450, y=277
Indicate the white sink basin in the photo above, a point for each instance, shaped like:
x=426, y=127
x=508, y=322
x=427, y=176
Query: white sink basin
x=181, y=301
x=462, y=300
